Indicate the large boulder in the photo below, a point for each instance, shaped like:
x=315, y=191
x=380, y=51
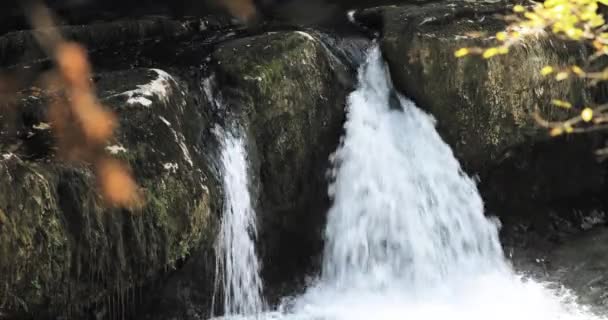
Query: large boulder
x=64, y=252
x=484, y=107
x=288, y=90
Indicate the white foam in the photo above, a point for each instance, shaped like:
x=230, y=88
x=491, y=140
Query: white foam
x=160, y=88
x=237, y=263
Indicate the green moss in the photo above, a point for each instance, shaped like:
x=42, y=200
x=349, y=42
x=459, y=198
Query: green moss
x=69, y=251
x=276, y=70
x=3, y=218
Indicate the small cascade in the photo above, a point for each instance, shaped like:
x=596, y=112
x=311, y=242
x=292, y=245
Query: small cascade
x=404, y=213
x=237, y=266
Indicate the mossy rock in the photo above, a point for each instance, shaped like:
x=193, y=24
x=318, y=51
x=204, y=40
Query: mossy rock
x=64, y=252
x=483, y=106
x=288, y=90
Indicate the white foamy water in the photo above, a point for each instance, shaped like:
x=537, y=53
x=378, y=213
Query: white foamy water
x=406, y=238
x=237, y=266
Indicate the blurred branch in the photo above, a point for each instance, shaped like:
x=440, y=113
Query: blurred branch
x=570, y=20
x=245, y=10
x=81, y=125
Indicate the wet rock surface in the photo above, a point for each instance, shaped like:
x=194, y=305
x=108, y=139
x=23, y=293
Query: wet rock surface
x=576, y=264
x=581, y=264
x=288, y=89
x=68, y=252
x=169, y=86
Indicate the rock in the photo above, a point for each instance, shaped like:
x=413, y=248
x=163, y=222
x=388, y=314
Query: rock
x=580, y=264
x=21, y=47
x=484, y=107
x=66, y=254
x=288, y=90
x=86, y=12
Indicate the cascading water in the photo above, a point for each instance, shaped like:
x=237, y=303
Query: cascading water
x=406, y=236
x=237, y=265
x=404, y=214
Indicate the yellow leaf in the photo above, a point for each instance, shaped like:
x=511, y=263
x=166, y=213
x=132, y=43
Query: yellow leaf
x=461, y=52
x=559, y=8
x=574, y=33
x=598, y=45
x=587, y=114
x=501, y=36
x=596, y=21
x=503, y=50
x=533, y=17
x=556, y=131
x=519, y=8
x=561, y=103
x=547, y=70
x=561, y=76
x=577, y=70
x=489, y=53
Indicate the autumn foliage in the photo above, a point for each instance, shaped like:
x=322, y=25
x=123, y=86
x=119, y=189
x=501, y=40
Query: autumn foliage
x=572, y=20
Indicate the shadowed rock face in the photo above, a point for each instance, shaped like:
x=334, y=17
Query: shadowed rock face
x=300, y=12
x=581, y=264
x=87, y=12
x=288, y=89
x=68, y=252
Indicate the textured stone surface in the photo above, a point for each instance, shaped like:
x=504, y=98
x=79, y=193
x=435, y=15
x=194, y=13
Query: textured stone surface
x=64, y=252
x=288, y=89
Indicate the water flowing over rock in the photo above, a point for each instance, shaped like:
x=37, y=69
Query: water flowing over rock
x=238, y=271
x=484, y=108
x=404, y=214
x=288, y=89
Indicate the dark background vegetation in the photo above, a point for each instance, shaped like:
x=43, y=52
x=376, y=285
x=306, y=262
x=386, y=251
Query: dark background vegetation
x=90, y=11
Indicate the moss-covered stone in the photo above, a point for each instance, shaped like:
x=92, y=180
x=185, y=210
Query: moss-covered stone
x=63, y=251
x=483, y=106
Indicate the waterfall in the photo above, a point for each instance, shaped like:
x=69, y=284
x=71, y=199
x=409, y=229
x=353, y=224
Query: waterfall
x=237, y=265
x=404, y=213
x=406, y=236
